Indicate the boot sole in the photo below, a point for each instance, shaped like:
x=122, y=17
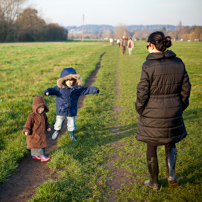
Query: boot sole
x=36, y=158
x=173, y=183
x=156, y=188
x=45, y=160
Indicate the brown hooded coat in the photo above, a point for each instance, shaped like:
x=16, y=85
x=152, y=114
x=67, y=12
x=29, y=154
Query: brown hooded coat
x=36, y=125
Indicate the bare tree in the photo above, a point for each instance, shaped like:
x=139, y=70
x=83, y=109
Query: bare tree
x=136, y=35
x=173, y=35
x=145, y=33
x=179, y=30
x=179, y=27
x=107, y=34
x=9, y=10
x=120, y=31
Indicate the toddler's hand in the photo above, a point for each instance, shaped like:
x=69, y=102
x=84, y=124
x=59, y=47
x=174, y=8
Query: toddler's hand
x=47, y=93
x=49, y=129
x=26, y=133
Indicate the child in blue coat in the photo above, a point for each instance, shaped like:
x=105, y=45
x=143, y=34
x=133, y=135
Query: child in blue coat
x=67, y=92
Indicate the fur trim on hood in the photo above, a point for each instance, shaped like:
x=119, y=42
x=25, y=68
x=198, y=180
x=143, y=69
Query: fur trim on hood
x=68, y=74
x=38, y=102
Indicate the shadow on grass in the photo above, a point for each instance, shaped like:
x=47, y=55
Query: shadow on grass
x=131, y=128
x=88, y=142
x=192, y=114
x=192, y=174
x=192, y=171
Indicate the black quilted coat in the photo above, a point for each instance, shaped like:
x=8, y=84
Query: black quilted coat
x=162, y=96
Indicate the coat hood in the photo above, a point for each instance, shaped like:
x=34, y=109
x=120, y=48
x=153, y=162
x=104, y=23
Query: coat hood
x=68, y=73
x=161, y=55
x=38, y=102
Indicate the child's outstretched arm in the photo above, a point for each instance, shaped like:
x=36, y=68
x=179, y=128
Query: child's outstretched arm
x=51, y=91
x=89, y=90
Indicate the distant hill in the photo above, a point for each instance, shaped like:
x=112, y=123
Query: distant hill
x=101, y=28
x=90, y=28
x=151, y=27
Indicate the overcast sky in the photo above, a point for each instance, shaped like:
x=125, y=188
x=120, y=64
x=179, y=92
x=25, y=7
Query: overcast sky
x=115, y=12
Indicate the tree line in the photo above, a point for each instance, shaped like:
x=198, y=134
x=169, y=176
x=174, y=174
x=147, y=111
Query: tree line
x=187, y=33
x=182, y=33
x=24, y=25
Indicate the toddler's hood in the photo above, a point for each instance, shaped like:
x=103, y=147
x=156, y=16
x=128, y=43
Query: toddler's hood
x=38, y=102
x=68, y=73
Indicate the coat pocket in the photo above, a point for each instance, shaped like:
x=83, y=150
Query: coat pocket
x=35, y=138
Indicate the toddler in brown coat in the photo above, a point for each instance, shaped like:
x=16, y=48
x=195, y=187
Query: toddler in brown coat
x=35, y=129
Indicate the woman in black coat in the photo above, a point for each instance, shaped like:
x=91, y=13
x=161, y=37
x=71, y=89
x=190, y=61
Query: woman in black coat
x=162, y=96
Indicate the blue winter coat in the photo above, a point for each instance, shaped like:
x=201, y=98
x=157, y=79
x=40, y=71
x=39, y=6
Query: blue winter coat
x=67, y=97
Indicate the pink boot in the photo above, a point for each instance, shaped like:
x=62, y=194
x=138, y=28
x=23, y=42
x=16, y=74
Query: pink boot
x=36, y=157
x=44, y=158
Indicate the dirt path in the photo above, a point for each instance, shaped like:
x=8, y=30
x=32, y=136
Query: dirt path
x=21, y=186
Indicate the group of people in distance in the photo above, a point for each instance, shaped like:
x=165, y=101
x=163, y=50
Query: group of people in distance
x=125, y=43
x=162, y=95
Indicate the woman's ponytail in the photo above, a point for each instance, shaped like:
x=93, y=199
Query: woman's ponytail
x=160, y=41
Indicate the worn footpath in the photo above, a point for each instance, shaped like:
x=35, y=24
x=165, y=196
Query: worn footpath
x=30, y=174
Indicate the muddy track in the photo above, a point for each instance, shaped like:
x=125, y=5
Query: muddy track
x=21, y=186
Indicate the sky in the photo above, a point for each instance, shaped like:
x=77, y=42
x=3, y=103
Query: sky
x=116, y=12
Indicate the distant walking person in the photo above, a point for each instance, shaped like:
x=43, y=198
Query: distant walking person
x=124, y=44
x=67, y=92
x=162, y=96
x=130, y=46
x=35, y=129
x=111, y=41
x=119, y=42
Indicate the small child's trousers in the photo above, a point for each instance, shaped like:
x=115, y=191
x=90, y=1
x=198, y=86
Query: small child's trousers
x=38, y=152
x=130, y=51
x=70, y=123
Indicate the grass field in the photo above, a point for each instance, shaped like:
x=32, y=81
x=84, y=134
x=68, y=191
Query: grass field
x=27, y=69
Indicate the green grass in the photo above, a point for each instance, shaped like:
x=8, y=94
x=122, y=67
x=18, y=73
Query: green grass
x=79, y=163
x=133, y=153
x=26, y=71
x=29, y=69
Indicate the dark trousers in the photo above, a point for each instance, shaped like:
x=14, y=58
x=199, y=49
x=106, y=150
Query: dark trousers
x=151, y=150
x=123, y=50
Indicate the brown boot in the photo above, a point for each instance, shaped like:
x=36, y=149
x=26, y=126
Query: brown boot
x=152, y=163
